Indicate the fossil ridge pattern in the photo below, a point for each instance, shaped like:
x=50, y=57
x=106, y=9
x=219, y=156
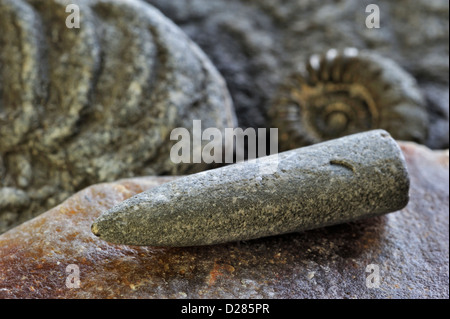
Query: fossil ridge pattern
x=97, y=103
x=256, y=44
x=344, y=92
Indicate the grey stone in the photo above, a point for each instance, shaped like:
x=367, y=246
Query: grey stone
x=257, y=44
x=358, y=176
x=94, y=104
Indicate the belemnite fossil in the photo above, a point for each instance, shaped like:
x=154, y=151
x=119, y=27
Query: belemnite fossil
x=342, y=180
x=80, y=106
x=347, y=91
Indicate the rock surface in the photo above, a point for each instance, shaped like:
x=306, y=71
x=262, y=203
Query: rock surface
x=256, y=44
x=94, y=104
x=410, y=247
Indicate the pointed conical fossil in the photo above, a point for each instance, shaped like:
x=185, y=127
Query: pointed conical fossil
x=345, y=92
x=346, y=179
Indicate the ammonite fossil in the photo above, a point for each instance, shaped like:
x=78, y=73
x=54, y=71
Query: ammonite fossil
x=344, y=92
x=96, y=103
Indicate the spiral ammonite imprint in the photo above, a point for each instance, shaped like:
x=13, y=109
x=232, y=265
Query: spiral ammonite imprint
x=79, y=106
x=344, y=92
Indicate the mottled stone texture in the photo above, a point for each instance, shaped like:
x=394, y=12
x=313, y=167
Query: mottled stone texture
x=94, y=104
x=411, y=247
x=256, y=44
x=354, y=177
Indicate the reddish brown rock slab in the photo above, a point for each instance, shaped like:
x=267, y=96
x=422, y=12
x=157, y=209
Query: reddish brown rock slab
x=409, y=249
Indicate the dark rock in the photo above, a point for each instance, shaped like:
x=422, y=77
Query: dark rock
x=257, y=44
x=94, y=104
x=410, y=248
